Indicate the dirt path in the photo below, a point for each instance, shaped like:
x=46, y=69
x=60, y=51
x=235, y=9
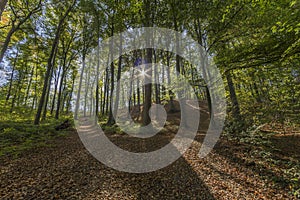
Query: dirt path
x=67, y=171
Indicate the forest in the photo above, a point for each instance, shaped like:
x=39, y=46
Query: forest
x=57, y=78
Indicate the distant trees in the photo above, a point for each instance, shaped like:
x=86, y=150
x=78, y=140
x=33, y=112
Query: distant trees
x=45, y=45
x=50, y=63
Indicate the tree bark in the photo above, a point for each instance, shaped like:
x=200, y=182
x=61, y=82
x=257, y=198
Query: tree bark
x=11, y=77
x=116, y=106
x=44, y=114
x=233, y=97
x=111, y=119
x=50, y=64
x=79, y=88
x=148, y=88
x=29, y=86
x=6, y=43
x=86, y=91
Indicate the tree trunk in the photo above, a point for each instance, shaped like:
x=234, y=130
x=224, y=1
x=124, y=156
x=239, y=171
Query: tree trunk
x=163, y=81
x=11, y=77
x=55, y=89
x=79, y=88
x=147, y=88
x=156, y=78
x=235, y=105
x=116, y=106
x=97, y=87
x=70, y=95
x=29, y=86
x=6, y=43
x=50, y=65
x=44, y=114
x=138, y=94
x=18, y=88
x=87, y=85
x=105, y=92
x=171, y=94
x=131, y=90
x=59, y=94
x=97, y=75
x=111, y=119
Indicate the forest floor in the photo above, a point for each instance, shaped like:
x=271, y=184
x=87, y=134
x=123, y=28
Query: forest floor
x=66, y=170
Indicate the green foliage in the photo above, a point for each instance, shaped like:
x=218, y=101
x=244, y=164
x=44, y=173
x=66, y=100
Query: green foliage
x=111, y=129
x=294, y=176
x=18, y=134
x=262, y=151
x=257, y=42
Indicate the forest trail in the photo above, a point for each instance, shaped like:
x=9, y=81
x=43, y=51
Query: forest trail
x=66, y=170
x=62, y=59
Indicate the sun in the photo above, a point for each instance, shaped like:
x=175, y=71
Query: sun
x=143, y=73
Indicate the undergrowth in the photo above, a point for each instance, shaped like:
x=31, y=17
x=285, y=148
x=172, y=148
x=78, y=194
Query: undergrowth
x=18, y=133
x=263, y=151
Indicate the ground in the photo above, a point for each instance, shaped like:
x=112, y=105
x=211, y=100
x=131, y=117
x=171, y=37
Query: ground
x=66, y=170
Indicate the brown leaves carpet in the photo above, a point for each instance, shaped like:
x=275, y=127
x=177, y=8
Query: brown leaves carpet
x=67, y=171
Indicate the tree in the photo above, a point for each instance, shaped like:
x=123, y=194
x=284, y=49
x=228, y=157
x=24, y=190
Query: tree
x=50, y=61
x=148, y=71
x=21, y=14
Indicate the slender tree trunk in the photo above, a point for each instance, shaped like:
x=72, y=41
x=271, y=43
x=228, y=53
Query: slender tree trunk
x=148, y=71
x=171, y=94
x=18, y=89
x=163, y=81
x=233, y=97
x=97, y=91
x=79, y=88
x=131, y=88
x=21, y=86
x=50, y=65
x=116, y=106
x=101, y=100
x=138, y=94
x=156, y=78
x=29, y=86
x=92, y=100
x=34, y=101
x=97, y=75
x=148, y=88
x=64, y=99
x=6, y=43
x=107, y=92
x=58, y=106
x=104, y=93
x=11, y=77
x=87, y=85
x=123, y=96
x=70, y=95
x=55, y=90
x=45, y=107
x=111, y=119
